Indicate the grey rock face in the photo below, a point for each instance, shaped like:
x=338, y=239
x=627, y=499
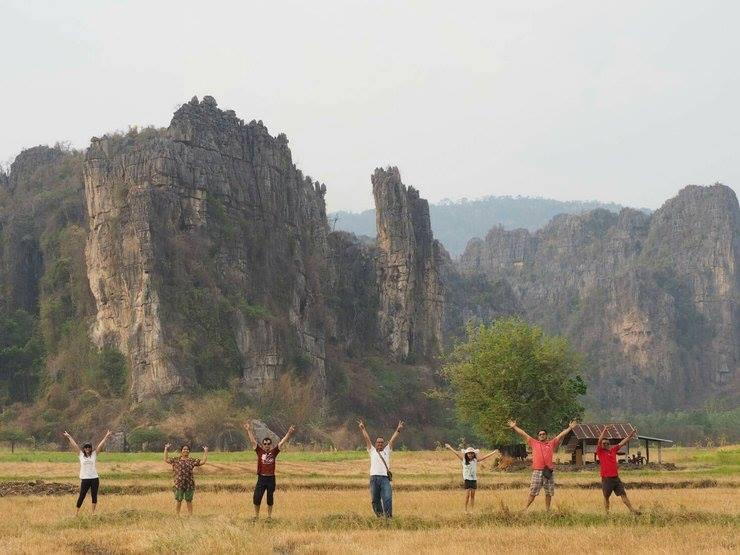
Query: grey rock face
x=651, y=300
x=24, y=171
x=209, y=208
x=410, y=289
x=353, y=292
x=261, y=431
x=116, y=442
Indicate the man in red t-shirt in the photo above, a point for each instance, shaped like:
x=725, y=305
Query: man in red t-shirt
x=607, y=455
x=266, y=455
x=542, y=465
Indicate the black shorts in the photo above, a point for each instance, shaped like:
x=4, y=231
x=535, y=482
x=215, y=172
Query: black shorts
x=471, y=484
x=613, y=484
x=265, y=484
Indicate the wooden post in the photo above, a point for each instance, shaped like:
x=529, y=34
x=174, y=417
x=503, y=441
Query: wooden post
x=660, y=457
x=647, y=450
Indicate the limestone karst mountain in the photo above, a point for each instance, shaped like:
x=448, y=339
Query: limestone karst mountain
x=198, y=258
x=205, y=257
x=208, y=223
x=652, y=300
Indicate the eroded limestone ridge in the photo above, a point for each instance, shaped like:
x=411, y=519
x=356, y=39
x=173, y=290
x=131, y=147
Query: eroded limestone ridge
x=205, y=252
x=652, y=300
x=411, y=299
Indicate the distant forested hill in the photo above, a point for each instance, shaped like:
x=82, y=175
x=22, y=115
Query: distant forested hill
x=455, y=223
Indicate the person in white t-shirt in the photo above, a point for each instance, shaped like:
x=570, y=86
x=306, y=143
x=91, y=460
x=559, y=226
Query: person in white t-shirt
x=469, y=459
x=381, y=492
x=89, y=479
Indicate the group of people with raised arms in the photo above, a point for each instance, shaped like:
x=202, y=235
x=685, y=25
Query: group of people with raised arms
x=379, y=452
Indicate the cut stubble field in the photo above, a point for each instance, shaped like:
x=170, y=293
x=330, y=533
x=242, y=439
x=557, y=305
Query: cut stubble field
x=322, y=506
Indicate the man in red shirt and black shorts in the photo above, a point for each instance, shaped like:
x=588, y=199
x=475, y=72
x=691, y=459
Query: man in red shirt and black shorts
x=266, y=458
x=607, y=455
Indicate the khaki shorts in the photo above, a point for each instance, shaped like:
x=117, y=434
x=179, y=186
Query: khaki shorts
x=539, y=482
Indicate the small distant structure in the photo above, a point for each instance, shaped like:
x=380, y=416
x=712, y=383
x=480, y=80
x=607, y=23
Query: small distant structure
x=654, y=440
x=581, y=442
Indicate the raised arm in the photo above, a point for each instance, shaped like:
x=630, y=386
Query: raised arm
x=71, y=440
x=517, y=429
x=250, y=433
x=286, y=438
x=205, y=456
x=166, y=447
x=369, y=443
x=457, y=453
x=562, y=434
x=602, y=435
x=102, y=441
x=395, y=435
x=491, y=454
x=626, y=440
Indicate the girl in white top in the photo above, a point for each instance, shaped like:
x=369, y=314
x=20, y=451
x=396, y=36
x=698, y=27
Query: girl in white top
x=469, y=459
x=89, y=479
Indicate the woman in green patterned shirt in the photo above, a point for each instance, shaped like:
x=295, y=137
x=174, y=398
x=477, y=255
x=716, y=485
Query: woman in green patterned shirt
x=182, y=468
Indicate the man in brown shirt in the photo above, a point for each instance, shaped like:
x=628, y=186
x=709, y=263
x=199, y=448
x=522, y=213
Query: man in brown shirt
x=266, y=458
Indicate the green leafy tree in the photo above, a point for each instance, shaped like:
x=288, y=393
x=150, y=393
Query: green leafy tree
x=21, y=356
x=511, y=369
x=146, y=439
x=13, y=436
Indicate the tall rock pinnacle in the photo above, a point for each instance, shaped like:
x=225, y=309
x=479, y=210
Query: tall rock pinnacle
x=411, y=299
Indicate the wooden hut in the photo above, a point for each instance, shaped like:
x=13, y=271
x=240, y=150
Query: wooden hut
x=580, y=442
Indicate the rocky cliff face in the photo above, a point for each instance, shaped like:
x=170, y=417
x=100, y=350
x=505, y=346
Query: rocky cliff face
x=203, y=254
x=205, y=233
x=410, y=289
x=42, y=195
x=651, y=300
x=353, y=293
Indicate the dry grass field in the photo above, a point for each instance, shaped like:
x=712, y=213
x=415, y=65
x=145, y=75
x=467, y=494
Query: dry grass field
x=322, y=506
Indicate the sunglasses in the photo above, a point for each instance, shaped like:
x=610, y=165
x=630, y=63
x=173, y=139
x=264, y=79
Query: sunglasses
x=267, y=442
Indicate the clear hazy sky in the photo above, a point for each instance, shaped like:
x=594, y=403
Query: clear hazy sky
x=622, y=101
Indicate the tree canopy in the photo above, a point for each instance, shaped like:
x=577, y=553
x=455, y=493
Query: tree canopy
x=510, y=369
